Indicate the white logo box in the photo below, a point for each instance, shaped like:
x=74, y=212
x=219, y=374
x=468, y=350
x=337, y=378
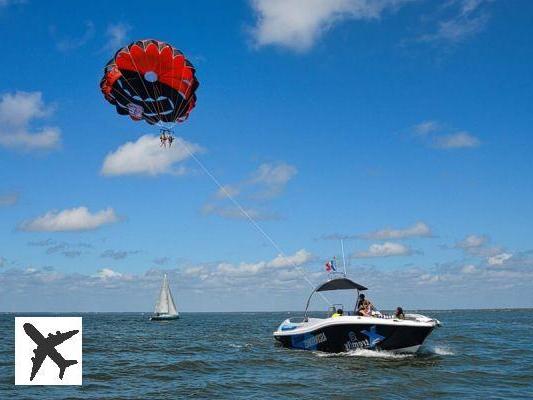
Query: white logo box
x=70, y=349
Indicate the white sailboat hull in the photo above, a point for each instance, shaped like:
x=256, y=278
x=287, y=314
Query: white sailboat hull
x=163, y=317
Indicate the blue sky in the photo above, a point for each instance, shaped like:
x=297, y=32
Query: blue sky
x=403, y=127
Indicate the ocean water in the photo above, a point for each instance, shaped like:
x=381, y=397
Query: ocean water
x=475, y=354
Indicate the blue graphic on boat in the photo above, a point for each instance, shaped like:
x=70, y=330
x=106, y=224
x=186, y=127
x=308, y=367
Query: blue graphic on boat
x=373, y=337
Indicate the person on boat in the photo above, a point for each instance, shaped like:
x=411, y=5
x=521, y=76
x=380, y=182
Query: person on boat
x=337, y=313
x=360, y=301
x=399, y=313
x=366, y=309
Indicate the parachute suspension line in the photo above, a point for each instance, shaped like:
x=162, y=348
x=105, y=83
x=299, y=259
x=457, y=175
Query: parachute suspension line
x=137, y=93
x=187, y=102
x=142, y=81
x=251, y=219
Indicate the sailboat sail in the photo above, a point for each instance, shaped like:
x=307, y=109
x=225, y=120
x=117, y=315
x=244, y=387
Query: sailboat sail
x=171, y=305
x=165, y=304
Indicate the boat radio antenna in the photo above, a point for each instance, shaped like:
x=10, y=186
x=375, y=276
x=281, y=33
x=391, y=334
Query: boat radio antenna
x=343, y=258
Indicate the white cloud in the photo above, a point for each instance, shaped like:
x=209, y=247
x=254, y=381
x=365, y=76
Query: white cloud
x=17, y=111
x=426, y=127
x=297, y=24
x=472, y=241
x=499, y=259
x=65, y=43
x=419, y=229
x=437, y=135
x=146, y=157
x=74, y=219
x=107, y=273
x=456, y=141
x=232, y=212
x=297, y=259
x=5, y=3
x=387, y=249
x=117, y=36
x=273, y=177
x=469, y=17
x=118, y=254
x=300, y=257
x=8, y=199
x=265, y=183
x=469, y=269
x=227, y=190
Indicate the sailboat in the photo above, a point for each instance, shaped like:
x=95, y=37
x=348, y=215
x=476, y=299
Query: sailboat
x=165, y=309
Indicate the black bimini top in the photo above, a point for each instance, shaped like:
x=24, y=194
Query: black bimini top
x=339, y=284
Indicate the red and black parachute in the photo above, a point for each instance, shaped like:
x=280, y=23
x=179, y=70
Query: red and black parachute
x=150, y=80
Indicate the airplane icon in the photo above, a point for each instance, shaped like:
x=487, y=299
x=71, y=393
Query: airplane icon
x=46, y=347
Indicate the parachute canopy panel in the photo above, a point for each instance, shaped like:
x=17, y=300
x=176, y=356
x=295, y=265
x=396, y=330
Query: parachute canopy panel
x=150, y=80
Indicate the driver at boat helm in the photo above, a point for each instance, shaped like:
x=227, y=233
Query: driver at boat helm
x=360, y=301
x=338, y=313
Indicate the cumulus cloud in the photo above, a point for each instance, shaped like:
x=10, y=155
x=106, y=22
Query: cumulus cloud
x=17, y=111
x=419, y=229
x=267, y=182
x=227, y=190
x=387, y=249
x=233, y=212
x=273, y=177
x=464, y=19
x=477, y=246
x=437, y=135
x=66, y=43
x=472, y=241
x=8, y=199
x=107, y=273
x=299, y=258
x=110, y=290
x=469, y=269
x=161, y=260
x=146, y=157
x=5, y=3
x=228, y=270
x=74, y=219
x=426, y=127
x=499, y=259
x=117, y=254
x=117, y=36
x=456, y=140
x=297, y=24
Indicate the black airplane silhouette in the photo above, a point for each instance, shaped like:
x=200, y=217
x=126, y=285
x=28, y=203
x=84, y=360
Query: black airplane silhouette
x=46, y=347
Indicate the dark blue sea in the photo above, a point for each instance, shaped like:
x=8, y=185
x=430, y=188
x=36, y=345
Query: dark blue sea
x=474, y=355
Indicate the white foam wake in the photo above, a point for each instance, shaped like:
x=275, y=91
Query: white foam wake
x=442, y=351
x=366, y=353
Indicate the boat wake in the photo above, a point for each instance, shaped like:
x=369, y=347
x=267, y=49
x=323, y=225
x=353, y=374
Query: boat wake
x=425, y=351
x=367, y=354
x=441, y=351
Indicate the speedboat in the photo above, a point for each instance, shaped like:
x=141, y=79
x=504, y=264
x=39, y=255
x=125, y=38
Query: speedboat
x=165, y=308
x=349, y=331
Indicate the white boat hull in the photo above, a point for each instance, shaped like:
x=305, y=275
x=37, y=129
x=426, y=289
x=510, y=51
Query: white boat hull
x=163, y=317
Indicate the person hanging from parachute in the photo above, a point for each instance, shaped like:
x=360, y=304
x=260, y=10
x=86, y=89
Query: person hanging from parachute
x=153, y=81
x=163, y=139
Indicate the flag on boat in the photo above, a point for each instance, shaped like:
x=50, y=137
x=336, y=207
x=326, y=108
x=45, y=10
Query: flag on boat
x=331, y=265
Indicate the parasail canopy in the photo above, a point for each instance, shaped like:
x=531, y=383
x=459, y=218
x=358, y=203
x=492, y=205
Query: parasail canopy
x=150, y=80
